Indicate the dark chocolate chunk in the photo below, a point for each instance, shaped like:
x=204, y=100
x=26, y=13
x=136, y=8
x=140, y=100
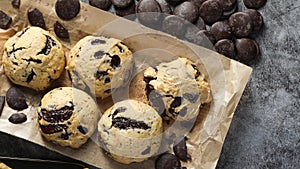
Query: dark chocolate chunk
x=100, y=74
x=241, y=24
x=115, y=61
x=228, y=4
x=46, y=50
x=121, y=49
x=2, y=103
x=99, y=54
x=254, y=4
x=180, y=150
x=191, y=97
x=67, y=9
x=125, y=123
x=165, y=8
x=257, y=20
x=60, y=30
x=36, y=18
x=211, y=11
x=5, y=20
x=101, y=4
x=122, y=3
x=56, y=116
x=176, y=102
x=146, y=151
x=17, y=118
x=167, y=161
x=174, y=25
x=82, y=129
x=147, y=79
x=187, y=10
x=16, y=99
x=53, y=128
x=16, y=4
x=247, y=49
x=107, y=80
x=128, y=13
x=148, y=12
x=221, y=30
x=226, y=47
x=30, y=76
x=200, y=24
x=174, y=2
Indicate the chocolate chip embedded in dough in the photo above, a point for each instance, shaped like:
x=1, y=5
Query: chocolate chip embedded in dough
x=67, y=9
x=241, y=24
x=176, y=102
x=61, y=31
x=221, y=30
x=5, y=20
x=98, y=42
x=36, y=18
x=56, y=116
x=53, y=128
x=99, y=54
x=167, y=161
x=101, y=4
x=125, y=123
x=115, y=61
x=191, y=97
x=174, y=25
x=257, y=20
x=247, y=49
x=16, y=99
x=211, y=11
x=122, y=3
x=146, y=151
x=187, y=10
x=254, y=4
x=46, y=50
x=82, y=129
x=100, y=74
x=17, y=118
x=226, y=47
x=180, y=150
x=2, y=103
x=16, y=3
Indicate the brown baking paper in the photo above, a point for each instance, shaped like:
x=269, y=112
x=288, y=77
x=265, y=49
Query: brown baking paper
x=227, y=77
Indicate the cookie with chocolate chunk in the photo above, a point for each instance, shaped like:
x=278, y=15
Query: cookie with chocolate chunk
x=67, y=116
x=33, y=58
x=130, y=131
x=99, y=65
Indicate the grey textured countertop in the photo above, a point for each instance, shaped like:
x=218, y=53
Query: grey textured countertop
x=265, y=131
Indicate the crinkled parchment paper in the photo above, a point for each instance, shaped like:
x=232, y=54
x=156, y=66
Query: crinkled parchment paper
x=227, y=77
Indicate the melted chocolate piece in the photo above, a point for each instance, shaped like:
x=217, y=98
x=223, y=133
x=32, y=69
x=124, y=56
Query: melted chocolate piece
x=16, y=99
x=2, y=103
x=56, y=116
x=38, y=61
x=254, y=4
x=30, y=76
x=16, y=4
x=98, y=42
x=65, y=136
x=14, y=50
x=107, y=80
x=167, y=161
x=36, y=18
x=100, y=74
x=148, y=79
x=125, y=123
x=180, y=150
x=99, y=54
x=187, y=10
x=53, y=128
x=17, y=118
x=61, y=31
x=191, y=97
x=211, y=11
x=198, y=73
x=5, y=20
x=23, y=32
x=46, y=50
x=82, y=129
x=146, y=151
x=101, y=4
x=115, y=61
x=67, y=9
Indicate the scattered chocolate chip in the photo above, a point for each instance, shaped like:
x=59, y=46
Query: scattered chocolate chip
x=125, y=123
x=257, y=20
x=128, y=13
x=2, y=102
x=115, y=61
x=254, y=4
x=167, y=161
x=174, y=2
x=5, y=20
x=180, y=150
x=226, y=47
x=174, y=25
x=200, y=24
x=17, y=118
x=122, y=3
x=247, y=49
x=241, y=24
x=16, y=99
x=56, y=116
x=228, y=4
x=221, y=30
x=36, y=18
x=146, y=151
x=211, y=11
x=46, y=50
x=16, y=4
x=148, y=12
x=60, y=30
x=100, y=74
x=67, y=9
x=99, y=54
x=82, y=129
x=53, y=128
x=165, y=8
x=187, y=10
x=101, y=4
x=191, y=97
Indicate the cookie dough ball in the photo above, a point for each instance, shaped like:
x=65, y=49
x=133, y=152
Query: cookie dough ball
x=130, y=131
x=99, y=64
x=67, y=116
x=175, y=89
x=33, y=58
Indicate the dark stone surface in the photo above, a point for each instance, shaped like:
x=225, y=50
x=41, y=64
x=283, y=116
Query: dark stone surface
x=265, y=131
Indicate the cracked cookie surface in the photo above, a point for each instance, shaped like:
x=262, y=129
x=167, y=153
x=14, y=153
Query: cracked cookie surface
x=33, y=58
